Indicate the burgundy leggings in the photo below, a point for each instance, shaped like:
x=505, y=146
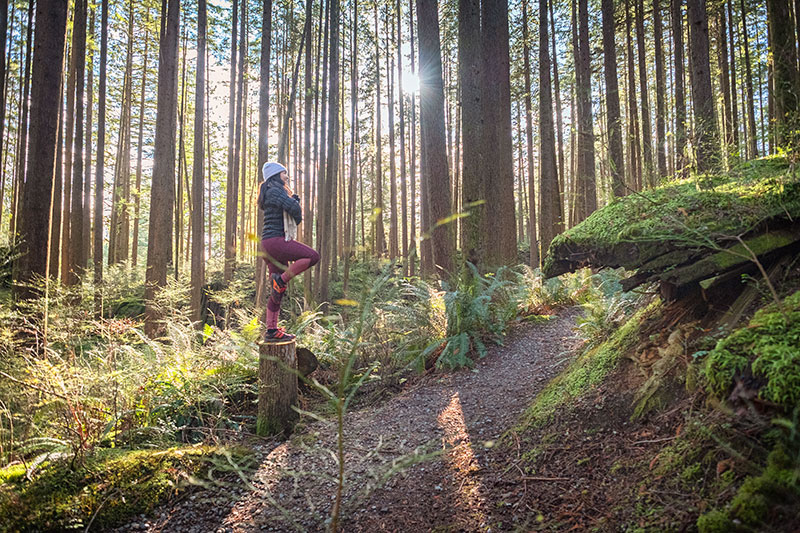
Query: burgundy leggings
x=278, y=253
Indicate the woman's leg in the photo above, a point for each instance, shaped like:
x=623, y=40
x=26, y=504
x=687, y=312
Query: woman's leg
x=274, y=301
x=304, y=257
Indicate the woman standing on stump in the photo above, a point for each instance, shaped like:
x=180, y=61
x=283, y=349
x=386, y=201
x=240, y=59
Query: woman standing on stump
x=275, y=198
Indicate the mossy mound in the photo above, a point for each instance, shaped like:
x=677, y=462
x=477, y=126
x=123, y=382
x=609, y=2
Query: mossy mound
x=588, y=369
x=674, y=223
x=761, y=501
x=111, y=486
x=768, y=348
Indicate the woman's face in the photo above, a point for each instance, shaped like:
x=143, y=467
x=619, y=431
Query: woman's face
x=284, y=176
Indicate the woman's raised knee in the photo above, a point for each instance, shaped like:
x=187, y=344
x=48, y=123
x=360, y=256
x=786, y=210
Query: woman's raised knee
x=314, y=258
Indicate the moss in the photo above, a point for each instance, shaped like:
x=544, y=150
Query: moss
x=768, y=347
x=113, y=485
x=715, y=521
x=679, y=215
x=12, y=473
x=590, y=368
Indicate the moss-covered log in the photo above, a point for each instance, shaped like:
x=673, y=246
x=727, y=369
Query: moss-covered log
x=676, y=225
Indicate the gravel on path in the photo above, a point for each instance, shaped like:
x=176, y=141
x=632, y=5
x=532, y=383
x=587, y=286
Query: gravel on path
x=414, y=463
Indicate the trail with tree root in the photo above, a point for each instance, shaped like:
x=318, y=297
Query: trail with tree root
x=420, y=461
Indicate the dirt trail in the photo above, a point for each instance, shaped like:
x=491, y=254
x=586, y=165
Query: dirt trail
x=416, y=463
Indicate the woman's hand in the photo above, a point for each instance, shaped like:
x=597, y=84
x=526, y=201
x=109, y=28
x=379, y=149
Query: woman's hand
x=296, y=197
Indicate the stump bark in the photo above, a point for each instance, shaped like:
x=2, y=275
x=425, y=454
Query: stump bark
x=277, y=392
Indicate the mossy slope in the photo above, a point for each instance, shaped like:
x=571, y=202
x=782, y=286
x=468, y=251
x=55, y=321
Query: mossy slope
x=110, y=487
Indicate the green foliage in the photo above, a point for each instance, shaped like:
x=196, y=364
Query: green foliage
x=768, y=347
x=112, y=485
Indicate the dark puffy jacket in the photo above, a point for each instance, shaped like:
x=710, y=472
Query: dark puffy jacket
x=274, y=200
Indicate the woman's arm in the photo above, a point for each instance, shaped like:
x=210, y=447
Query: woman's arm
x=279, y=198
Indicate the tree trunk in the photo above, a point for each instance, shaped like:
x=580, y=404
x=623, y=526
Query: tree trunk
x=724, y=81
x=231, y=189
x=413, y=128
x=34, y=215
x=752, y=148
x=534, y=241
x=705, y=125
x=500, y=238
x=75, y=269
x=198, y=178
x=783, y=51
x=66, y=248
x=349, y=247
x=634, y=157
x=559, y=122
x=162, y=196
x=380, y=238
x=433, y=139
x=680, y=99
x=99, y=170
x=393, y=230
x=277, y=387
x=140, y=138
x=87, y=176
x=401, y=104
x=661, y=128
x=263, y=141
x=734, y=94
x=647, y=136
x=332, y=159
x=473, y=193
x=587, y=193
x=550, y=218
x=615, y=156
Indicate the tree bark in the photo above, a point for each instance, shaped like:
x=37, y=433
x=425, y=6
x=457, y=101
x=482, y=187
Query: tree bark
x=263, y=141
x=550, y=221
x=500, y=238
x=752, y=147
x=139, y=144
x=661, y=127
x=647, y=136
x=332, y=159
x=615, y=156
x=473, y=193
x=162, y=196
x=534, y=241
x=231, y=189
x=277, y=387
x=99, y=170
x=783, y=51
x=706, y=134
x=380, y=238
x=724, y=81
x=198, y=177
x=734, y=94
x=433, y=138
x=634, y=152
x=34, y=215
x=393, y=229
x=75, y=269
x=680, y=99
x=87, y=177
x=587, y=193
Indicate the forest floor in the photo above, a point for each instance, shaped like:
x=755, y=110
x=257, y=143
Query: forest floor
x=426, y=459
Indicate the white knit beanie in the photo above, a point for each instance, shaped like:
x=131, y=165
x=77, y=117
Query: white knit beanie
x=271, y=168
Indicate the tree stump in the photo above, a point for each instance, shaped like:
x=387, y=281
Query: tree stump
x=277, y=388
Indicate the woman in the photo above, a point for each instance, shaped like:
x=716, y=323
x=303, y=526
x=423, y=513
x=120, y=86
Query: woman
x=274, y=198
